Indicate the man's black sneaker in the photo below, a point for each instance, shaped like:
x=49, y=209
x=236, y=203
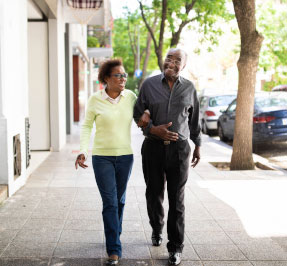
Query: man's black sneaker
x=156, y=239
x=174, y=258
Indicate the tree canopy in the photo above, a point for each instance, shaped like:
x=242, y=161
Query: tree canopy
x=174, y=15
x=272, y=23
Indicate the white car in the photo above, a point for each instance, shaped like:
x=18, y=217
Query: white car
x=210, y=107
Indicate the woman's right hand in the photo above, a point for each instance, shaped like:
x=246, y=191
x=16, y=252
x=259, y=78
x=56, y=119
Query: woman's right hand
x=80, y=161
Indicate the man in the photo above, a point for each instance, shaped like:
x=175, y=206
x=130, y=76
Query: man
x=173, y=105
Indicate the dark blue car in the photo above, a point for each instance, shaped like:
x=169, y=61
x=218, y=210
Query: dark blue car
x=269, y=120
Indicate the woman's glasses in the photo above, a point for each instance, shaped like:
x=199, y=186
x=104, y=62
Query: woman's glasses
x=120, y=76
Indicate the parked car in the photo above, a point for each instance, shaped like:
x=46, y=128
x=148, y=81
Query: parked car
x=280, y=88
x=269, y=119
x=210, y=106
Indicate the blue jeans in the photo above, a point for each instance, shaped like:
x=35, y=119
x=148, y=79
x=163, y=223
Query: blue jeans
x=112, y=174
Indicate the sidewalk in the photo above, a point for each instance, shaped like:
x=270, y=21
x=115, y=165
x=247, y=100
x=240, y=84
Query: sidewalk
x=232, y=217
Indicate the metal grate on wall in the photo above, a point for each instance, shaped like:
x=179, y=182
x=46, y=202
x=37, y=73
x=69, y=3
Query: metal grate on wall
x=17, y=156
x=27, y=138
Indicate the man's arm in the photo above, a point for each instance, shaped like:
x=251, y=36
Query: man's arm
x=140, y=108
x=195, y=128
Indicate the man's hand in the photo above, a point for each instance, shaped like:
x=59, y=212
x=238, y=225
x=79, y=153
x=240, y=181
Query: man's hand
x=144, y=120
x=80, y=161
x=163, y=132
x=196, y=156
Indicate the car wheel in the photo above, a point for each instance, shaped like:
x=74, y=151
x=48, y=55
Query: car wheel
x=204, y=128
x=255, y=147
x=221, y=133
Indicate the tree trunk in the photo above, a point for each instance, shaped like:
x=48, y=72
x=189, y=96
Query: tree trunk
x=157, y=47
x=161, y=34
x=133, y=45
x=247, y=64
x=147, y=53
x=176, y=35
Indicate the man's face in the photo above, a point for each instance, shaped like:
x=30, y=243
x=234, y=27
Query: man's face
x=173, y=64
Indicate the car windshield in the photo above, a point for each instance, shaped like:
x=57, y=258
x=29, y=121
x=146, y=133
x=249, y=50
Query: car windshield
x=263, y=102
x=223, y=100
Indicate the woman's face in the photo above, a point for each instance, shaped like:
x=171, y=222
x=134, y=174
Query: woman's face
x=117, y=80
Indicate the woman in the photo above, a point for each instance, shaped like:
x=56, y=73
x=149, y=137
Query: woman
x=112, y=111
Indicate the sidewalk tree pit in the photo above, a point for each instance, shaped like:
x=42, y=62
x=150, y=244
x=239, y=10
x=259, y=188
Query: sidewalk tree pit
x=225, y=166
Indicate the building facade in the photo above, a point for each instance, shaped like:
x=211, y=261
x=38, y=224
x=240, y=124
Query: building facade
x=43, y=53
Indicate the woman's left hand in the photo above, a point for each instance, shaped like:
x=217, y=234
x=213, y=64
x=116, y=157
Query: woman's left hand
x=144, y=120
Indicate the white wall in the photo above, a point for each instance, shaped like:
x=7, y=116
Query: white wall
x=57, y=80
x=78, y=34
x=13, y=87
x=38, y=65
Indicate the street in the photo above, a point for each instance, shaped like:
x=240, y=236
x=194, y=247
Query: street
x=276, y=153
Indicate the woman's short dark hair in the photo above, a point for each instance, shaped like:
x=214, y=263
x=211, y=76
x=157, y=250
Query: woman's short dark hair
x=106, y=68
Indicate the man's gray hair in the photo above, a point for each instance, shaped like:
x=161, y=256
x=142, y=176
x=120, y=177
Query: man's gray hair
x=184, y=53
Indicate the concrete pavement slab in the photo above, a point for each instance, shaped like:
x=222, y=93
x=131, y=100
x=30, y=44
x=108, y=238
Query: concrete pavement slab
x=212, y=238
x=137, y=238
x=76, y=262
x=50, y=213
x=36, y=224
x=227, y=263
x=183, y=263
x=12, y=223
x=6, y=235
x=29, y=249
x=24, y=262
x=84, y=224
x=82, y=236
x=263, y=251
x=79, y=250
x=137, y=252
x=202, y=226
x=42, y=235
x=269, y=263
x=88, y=215
x=219, y=252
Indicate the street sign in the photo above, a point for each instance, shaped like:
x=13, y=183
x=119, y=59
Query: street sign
x=138, y=73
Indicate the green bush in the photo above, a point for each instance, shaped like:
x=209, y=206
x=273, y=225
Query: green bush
x=132, y=84
x=92, y=42
x=277, y=80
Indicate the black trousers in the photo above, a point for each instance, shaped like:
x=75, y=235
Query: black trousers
x=166, y=164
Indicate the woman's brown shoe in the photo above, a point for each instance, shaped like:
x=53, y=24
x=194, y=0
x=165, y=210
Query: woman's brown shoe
x=112, y=260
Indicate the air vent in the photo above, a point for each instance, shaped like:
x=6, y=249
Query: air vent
x=27, y=138
x=17, y=156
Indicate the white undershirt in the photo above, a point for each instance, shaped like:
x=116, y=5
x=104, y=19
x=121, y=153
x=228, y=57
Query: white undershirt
x=105, y=96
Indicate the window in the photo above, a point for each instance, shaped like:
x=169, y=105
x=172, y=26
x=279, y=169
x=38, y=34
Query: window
x=271, y=102
x=231, y=107
x=203, y=101
x=223, y=100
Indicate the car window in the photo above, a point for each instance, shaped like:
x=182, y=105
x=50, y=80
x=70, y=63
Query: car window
x=231, y=107
x=262, y=102
x=203, y=101
x=223, y=100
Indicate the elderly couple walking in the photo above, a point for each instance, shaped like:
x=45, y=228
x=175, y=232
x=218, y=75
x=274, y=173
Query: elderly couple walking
x=167, y=110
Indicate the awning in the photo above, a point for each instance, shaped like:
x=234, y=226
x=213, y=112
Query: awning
x=95, y=4
x=85, y=11
x=100, y=52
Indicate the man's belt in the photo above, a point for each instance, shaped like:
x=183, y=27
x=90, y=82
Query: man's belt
x=165, y=142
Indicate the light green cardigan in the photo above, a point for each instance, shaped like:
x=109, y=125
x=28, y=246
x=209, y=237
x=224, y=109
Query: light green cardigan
x=113, y=125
